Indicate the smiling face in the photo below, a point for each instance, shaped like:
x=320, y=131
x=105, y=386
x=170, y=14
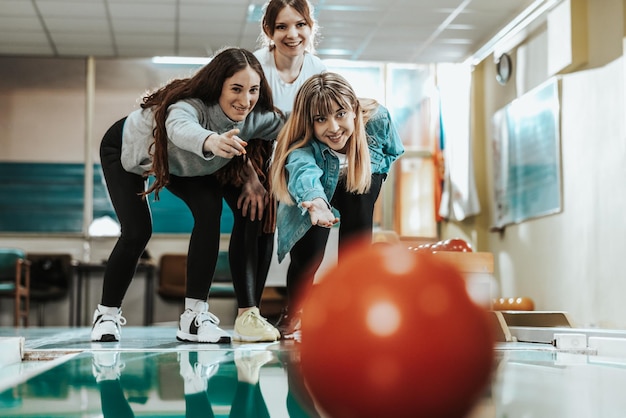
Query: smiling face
x=336, y=128
x=240, y=93
x=292, y=33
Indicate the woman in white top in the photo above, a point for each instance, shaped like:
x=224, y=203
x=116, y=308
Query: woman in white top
x=288, y=38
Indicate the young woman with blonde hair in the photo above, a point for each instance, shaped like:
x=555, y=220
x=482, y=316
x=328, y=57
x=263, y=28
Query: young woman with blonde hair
x=331, y=159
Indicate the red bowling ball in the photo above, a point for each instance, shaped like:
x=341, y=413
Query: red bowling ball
x=393, y=333
x=456, y=244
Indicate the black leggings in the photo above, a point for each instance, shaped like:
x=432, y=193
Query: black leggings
x=203, y=195
x=356, y=222
x=249, y=253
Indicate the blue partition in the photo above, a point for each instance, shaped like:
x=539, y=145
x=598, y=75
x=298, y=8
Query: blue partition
x=49, y=198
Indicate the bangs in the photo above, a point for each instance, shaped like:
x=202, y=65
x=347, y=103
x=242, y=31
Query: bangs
x=323, y=103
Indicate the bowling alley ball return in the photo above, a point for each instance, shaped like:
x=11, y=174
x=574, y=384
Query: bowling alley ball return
x=513, y=319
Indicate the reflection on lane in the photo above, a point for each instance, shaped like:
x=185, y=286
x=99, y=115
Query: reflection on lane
x=264, y=381
x=244, y=382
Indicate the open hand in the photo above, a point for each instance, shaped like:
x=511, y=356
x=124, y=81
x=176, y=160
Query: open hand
x=320, y=213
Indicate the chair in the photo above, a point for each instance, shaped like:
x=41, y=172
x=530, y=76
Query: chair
x=15, y=282
x=173, y=277
x=50, y=276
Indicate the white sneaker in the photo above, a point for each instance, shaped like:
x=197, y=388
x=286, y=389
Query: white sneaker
x=107, y=323
x=250, y=326
x=106, y=365
x=193, y=376
x=200, y=326
x=203, y=364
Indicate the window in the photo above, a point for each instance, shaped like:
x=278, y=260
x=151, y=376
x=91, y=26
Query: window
x=408, y=200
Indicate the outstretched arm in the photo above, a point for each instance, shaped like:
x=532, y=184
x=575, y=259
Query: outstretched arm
x=320, y=212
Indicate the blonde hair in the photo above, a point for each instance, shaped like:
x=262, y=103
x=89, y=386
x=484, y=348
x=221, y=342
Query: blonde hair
x=318, y=96
x=368, y=107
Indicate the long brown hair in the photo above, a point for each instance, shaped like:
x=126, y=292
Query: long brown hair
x=270, y=14
x=205, y=85
x=318, y=96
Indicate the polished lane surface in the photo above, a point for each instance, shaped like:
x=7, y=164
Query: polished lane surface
x=151, y=374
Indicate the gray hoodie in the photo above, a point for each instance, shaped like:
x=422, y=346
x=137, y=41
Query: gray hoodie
x=189, y=122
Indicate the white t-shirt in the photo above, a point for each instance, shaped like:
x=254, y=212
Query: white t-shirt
x=343, y=161
x=285, y=93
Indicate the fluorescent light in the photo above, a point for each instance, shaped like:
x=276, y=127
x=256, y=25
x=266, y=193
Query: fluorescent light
x=181, y=60
x=335, y=51
x=531, y=14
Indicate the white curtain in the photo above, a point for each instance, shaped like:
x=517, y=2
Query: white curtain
x=459, y=199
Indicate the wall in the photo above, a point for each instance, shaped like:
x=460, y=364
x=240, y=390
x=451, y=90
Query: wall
x=569, y=261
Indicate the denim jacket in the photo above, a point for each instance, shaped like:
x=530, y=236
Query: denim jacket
x=383, y=140
x=313, y=171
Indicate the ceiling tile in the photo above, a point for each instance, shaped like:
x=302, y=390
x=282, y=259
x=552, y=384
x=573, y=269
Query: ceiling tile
x=16, y=8
x=52, y=8
x=19, y=24
x=143, y=10
x=372, y=30
x=74, y=26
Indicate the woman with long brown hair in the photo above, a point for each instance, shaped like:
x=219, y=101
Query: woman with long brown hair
x=181, y=136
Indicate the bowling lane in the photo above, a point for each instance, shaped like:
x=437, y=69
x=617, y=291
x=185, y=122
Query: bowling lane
x=551, y=383
x=169, y=379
